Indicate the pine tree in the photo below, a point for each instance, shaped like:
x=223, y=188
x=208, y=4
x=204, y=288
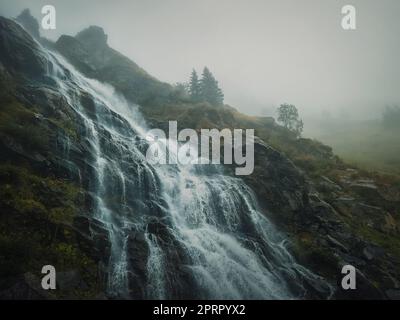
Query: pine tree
x=210, y=91
x=194, y=87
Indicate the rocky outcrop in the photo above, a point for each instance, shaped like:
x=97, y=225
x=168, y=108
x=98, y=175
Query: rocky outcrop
x=329, y=227
x=44, y=199
x=29, y=23
x=334, y=218
x=93, y=38
x=26, y=286
x=90, y=53
x=18, y=51
x=75, y=52
x=282, y=186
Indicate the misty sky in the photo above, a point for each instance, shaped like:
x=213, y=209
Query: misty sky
x=263, y=52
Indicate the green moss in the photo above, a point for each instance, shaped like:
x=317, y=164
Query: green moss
x=21, y=124
x=14, y=254
x=35, y=215
x=307, y=251
x=61, y=215
x=67, y=126
x=390, y=242
x=36, y=210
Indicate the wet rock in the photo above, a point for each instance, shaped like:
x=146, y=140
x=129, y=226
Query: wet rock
x=93, y=237
x=336, y=243
x=138, y=254
x=373, y=252
x=365, y=289
x=317, y=288
x=11, y=145
x=26, y=287
x=393, y=294
x=371, y=216
x=352, y=260
x=366, y=189
x=69, y=280
x=279, y=183
x=51, y=103
x=327, y=185
x=18, y=51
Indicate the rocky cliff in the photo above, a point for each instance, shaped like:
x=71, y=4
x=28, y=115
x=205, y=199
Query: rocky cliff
x=332, y=213
x=90, y=53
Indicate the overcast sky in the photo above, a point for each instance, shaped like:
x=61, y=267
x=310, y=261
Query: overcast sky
x=263, y=52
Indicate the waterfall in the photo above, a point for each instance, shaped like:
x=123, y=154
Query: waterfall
x=204, y=232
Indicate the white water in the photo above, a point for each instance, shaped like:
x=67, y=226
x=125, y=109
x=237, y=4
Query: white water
x=231, y=250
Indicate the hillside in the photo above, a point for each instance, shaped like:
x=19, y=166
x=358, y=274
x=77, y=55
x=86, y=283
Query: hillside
x=367, y=144
x=332, y=213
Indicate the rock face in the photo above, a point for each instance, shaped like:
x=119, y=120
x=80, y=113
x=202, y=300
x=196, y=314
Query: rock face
x=18, y=51
x=281, y=185
x=328, y=234
x=57, y=152
x=27, y=286
x=30, y=23
x=74, y=51
x=90, y=53
x=48, y=175
x=93, y=38
x=44, y=194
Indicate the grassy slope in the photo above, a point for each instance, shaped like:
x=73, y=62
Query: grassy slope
x=367, y=144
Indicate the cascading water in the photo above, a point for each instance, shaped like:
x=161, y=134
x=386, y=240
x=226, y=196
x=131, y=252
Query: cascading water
x=196, y=219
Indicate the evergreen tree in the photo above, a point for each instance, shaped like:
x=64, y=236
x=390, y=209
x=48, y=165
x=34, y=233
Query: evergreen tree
x=194, y=87
x=210, y=91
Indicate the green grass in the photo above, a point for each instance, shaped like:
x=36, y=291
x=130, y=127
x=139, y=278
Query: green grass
x=367, y=145
x=36, y=213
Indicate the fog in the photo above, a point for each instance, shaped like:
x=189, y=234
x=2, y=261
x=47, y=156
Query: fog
x=262, y=52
